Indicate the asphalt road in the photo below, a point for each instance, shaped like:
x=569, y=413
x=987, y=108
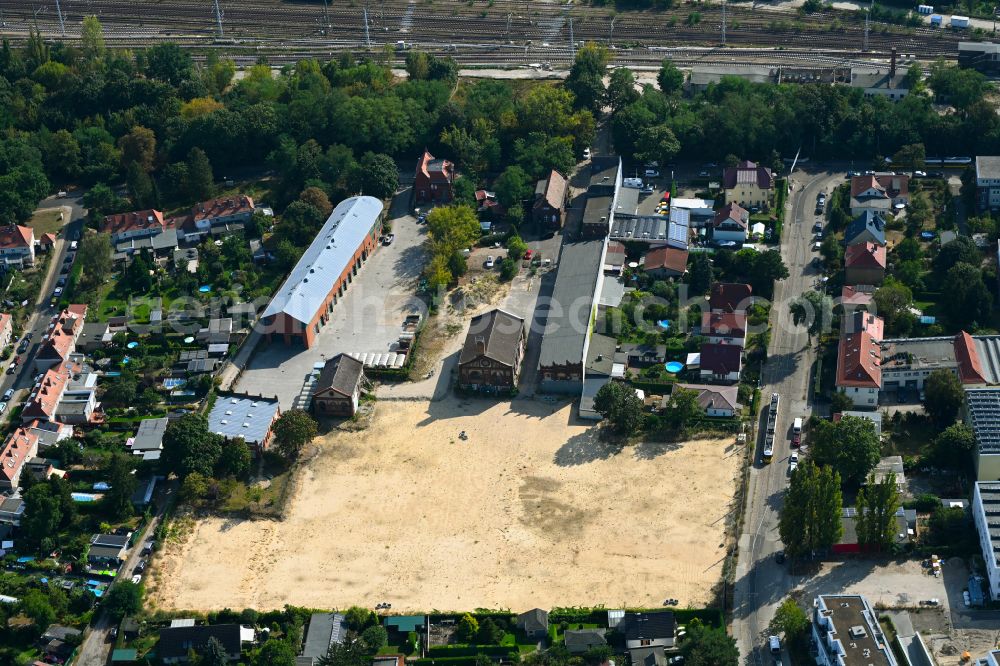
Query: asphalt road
x=761, y=583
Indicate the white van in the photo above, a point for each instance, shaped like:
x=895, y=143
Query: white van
x=797, y=425
x=775, y=644
x=635, y=183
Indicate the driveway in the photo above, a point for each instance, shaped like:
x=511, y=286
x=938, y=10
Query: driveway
x=367, y=319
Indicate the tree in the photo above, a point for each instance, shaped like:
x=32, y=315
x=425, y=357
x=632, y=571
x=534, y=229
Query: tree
x=189, y=446
x=317, y=198
x=95, y=261
x=850, y=446
x=169, y=63
x=234, y=460
x=815, y=310
x=22, y=180
x=586, y=76
x=683, y=407
x=961, y=250
x=467, y=629
x=657, y=144
x=35, y=604
x=417, y=65
x=489, y=633
x=452, y=228
x=832, y=252
x=124, y=598
x=276, y=652
x=120, y=474
x=840, y=402
x=669, y=79
x=914, y=76
x=348, y=653
x=293, y=430
x=912, y=156
x=810, y=515
x=620, y=405
x=789, y=619
x=876, y=504
x=943, y=396
x=91, y=38
x=214, y=653
x=953, y=448
x=516, y=247
x=760, y=269
x=358, y=618
x=138, y=147
x=200, y=180
x=508, y=269
x=700, y=274
x=379, y=175
x=621, y=89
x=950, y=526
x=969, y=300
x=705, y=646
x=140, y=187
x=513, y=186
x=892, y=301
x=374, y=638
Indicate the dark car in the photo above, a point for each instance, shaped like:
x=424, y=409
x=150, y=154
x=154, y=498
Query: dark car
x=779, y=557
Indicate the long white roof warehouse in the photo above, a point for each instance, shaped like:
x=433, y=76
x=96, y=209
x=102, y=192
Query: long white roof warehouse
x=302, y=306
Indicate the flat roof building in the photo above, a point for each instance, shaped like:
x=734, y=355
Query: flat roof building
x=982, y=413
x=305, y=301
x=986, y=515
x=247, y=416
x=846, y=632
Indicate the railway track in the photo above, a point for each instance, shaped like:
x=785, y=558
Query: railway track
x=536, y=28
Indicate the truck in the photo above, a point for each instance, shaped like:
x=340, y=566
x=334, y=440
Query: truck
x=959, y=22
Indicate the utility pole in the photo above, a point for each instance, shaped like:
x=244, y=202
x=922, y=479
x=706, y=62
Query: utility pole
x=611, y=35
x=723, y=22
x=326, y=14
x=368, y=39
x=509, y=16
x=868, y=24
x=572, y=42
x=218, y=16
x=62, y=25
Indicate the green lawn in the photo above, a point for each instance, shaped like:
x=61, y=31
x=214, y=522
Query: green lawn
x=46, y=221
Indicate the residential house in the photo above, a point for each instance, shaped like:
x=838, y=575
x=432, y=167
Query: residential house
x=78, y=403
x=249, y=417
x=305, y=302
x=652, y=629
x=859, y=361
x=148, y=439
x=60, y=339
x=721, y=362
x=17, y=449
x=879, y=192
x=337, y=391
x=17, y=246
x=108, y=549
x=433, y=179
x=39, y=469
x=6, y=330
x=724, y=327
x=651, y=656
x=57, y=642
x=93, y=336
x=642, y=355
x=666, y=262
x=60, y=633
x=731, y=224
x=890, y=84
x=721, y=401
x=987, y=182
x=325, y=630
x=986, y=516
x=218, y=331
x=49, y=433
x=856, y=297
x=11, y=510
x=492, y=353
x=604, y=363
x=849, y=543
x=176, y=643
x=615, y=258
x=550, y=197
x=748, y=184
x=404, y=624
x=846, y=631
x=134, y=225
x=874, y=417
x=578, y=641
x=603, y=192
x=864, y=263
x=215, y=217
x=46, y=242
x=868, y=227
x=730, y=297
x=45, y=395
x=534, y=623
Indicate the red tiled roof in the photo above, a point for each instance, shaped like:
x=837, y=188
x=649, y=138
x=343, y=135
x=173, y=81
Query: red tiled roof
x=667, y=257
x=213, y=208
x=970, y=368
x=727, y=324
x=18, y=449
x=615, y=254
x=747, y=172
x=62, y=338
x=5, y=320
x=124, y=222
x=730, y=296
x=433, y=168
x=47, y=239
x=720, y=358
x=45, y=396
x=859, y=359
x=861, y=184
x=555, y=190
x=857, y=295
x=865, y=255
x=14, y=235
x=889, y=185
x=732, y=212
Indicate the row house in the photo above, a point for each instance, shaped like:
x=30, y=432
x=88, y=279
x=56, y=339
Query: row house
x=215, y=217
x=60, y=339
x=17, y=450
x=724, y=324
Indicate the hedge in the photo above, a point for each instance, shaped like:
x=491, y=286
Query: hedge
x=449, y=651
x=710, y=616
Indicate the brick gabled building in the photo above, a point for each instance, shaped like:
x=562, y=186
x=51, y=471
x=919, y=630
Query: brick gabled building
x=433, y=179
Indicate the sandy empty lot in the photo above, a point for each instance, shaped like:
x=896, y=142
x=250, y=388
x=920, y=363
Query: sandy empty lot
x=530, y=511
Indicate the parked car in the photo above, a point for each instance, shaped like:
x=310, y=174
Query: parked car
x=388, y=238
x=527, y=255
x=3, y=407
x=61, y=282
x=852, y=174
x=136, y=579
x=73, y=245
x=703, y=174
x=139, y=568
x=919, y=174
x=652, y=173
x=490, y=261
x=58, y=291
x=586, y=153
x=818, y=226
x=779, y=557
x=8, y=394
x=793, y=462
x=796, y=439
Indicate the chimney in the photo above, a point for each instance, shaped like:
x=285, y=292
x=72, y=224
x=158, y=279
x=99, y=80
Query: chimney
x=892, y=66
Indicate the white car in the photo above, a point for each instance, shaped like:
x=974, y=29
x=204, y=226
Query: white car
x=586, y=153
x=652, y=173
x=136, y=579
x=8, y=394
x=793, y=462
x=490, y=261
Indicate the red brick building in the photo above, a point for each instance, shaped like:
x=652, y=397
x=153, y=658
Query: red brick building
x=433, y=179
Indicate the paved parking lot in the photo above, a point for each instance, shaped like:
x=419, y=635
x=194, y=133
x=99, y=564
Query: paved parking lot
x=367, y=319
